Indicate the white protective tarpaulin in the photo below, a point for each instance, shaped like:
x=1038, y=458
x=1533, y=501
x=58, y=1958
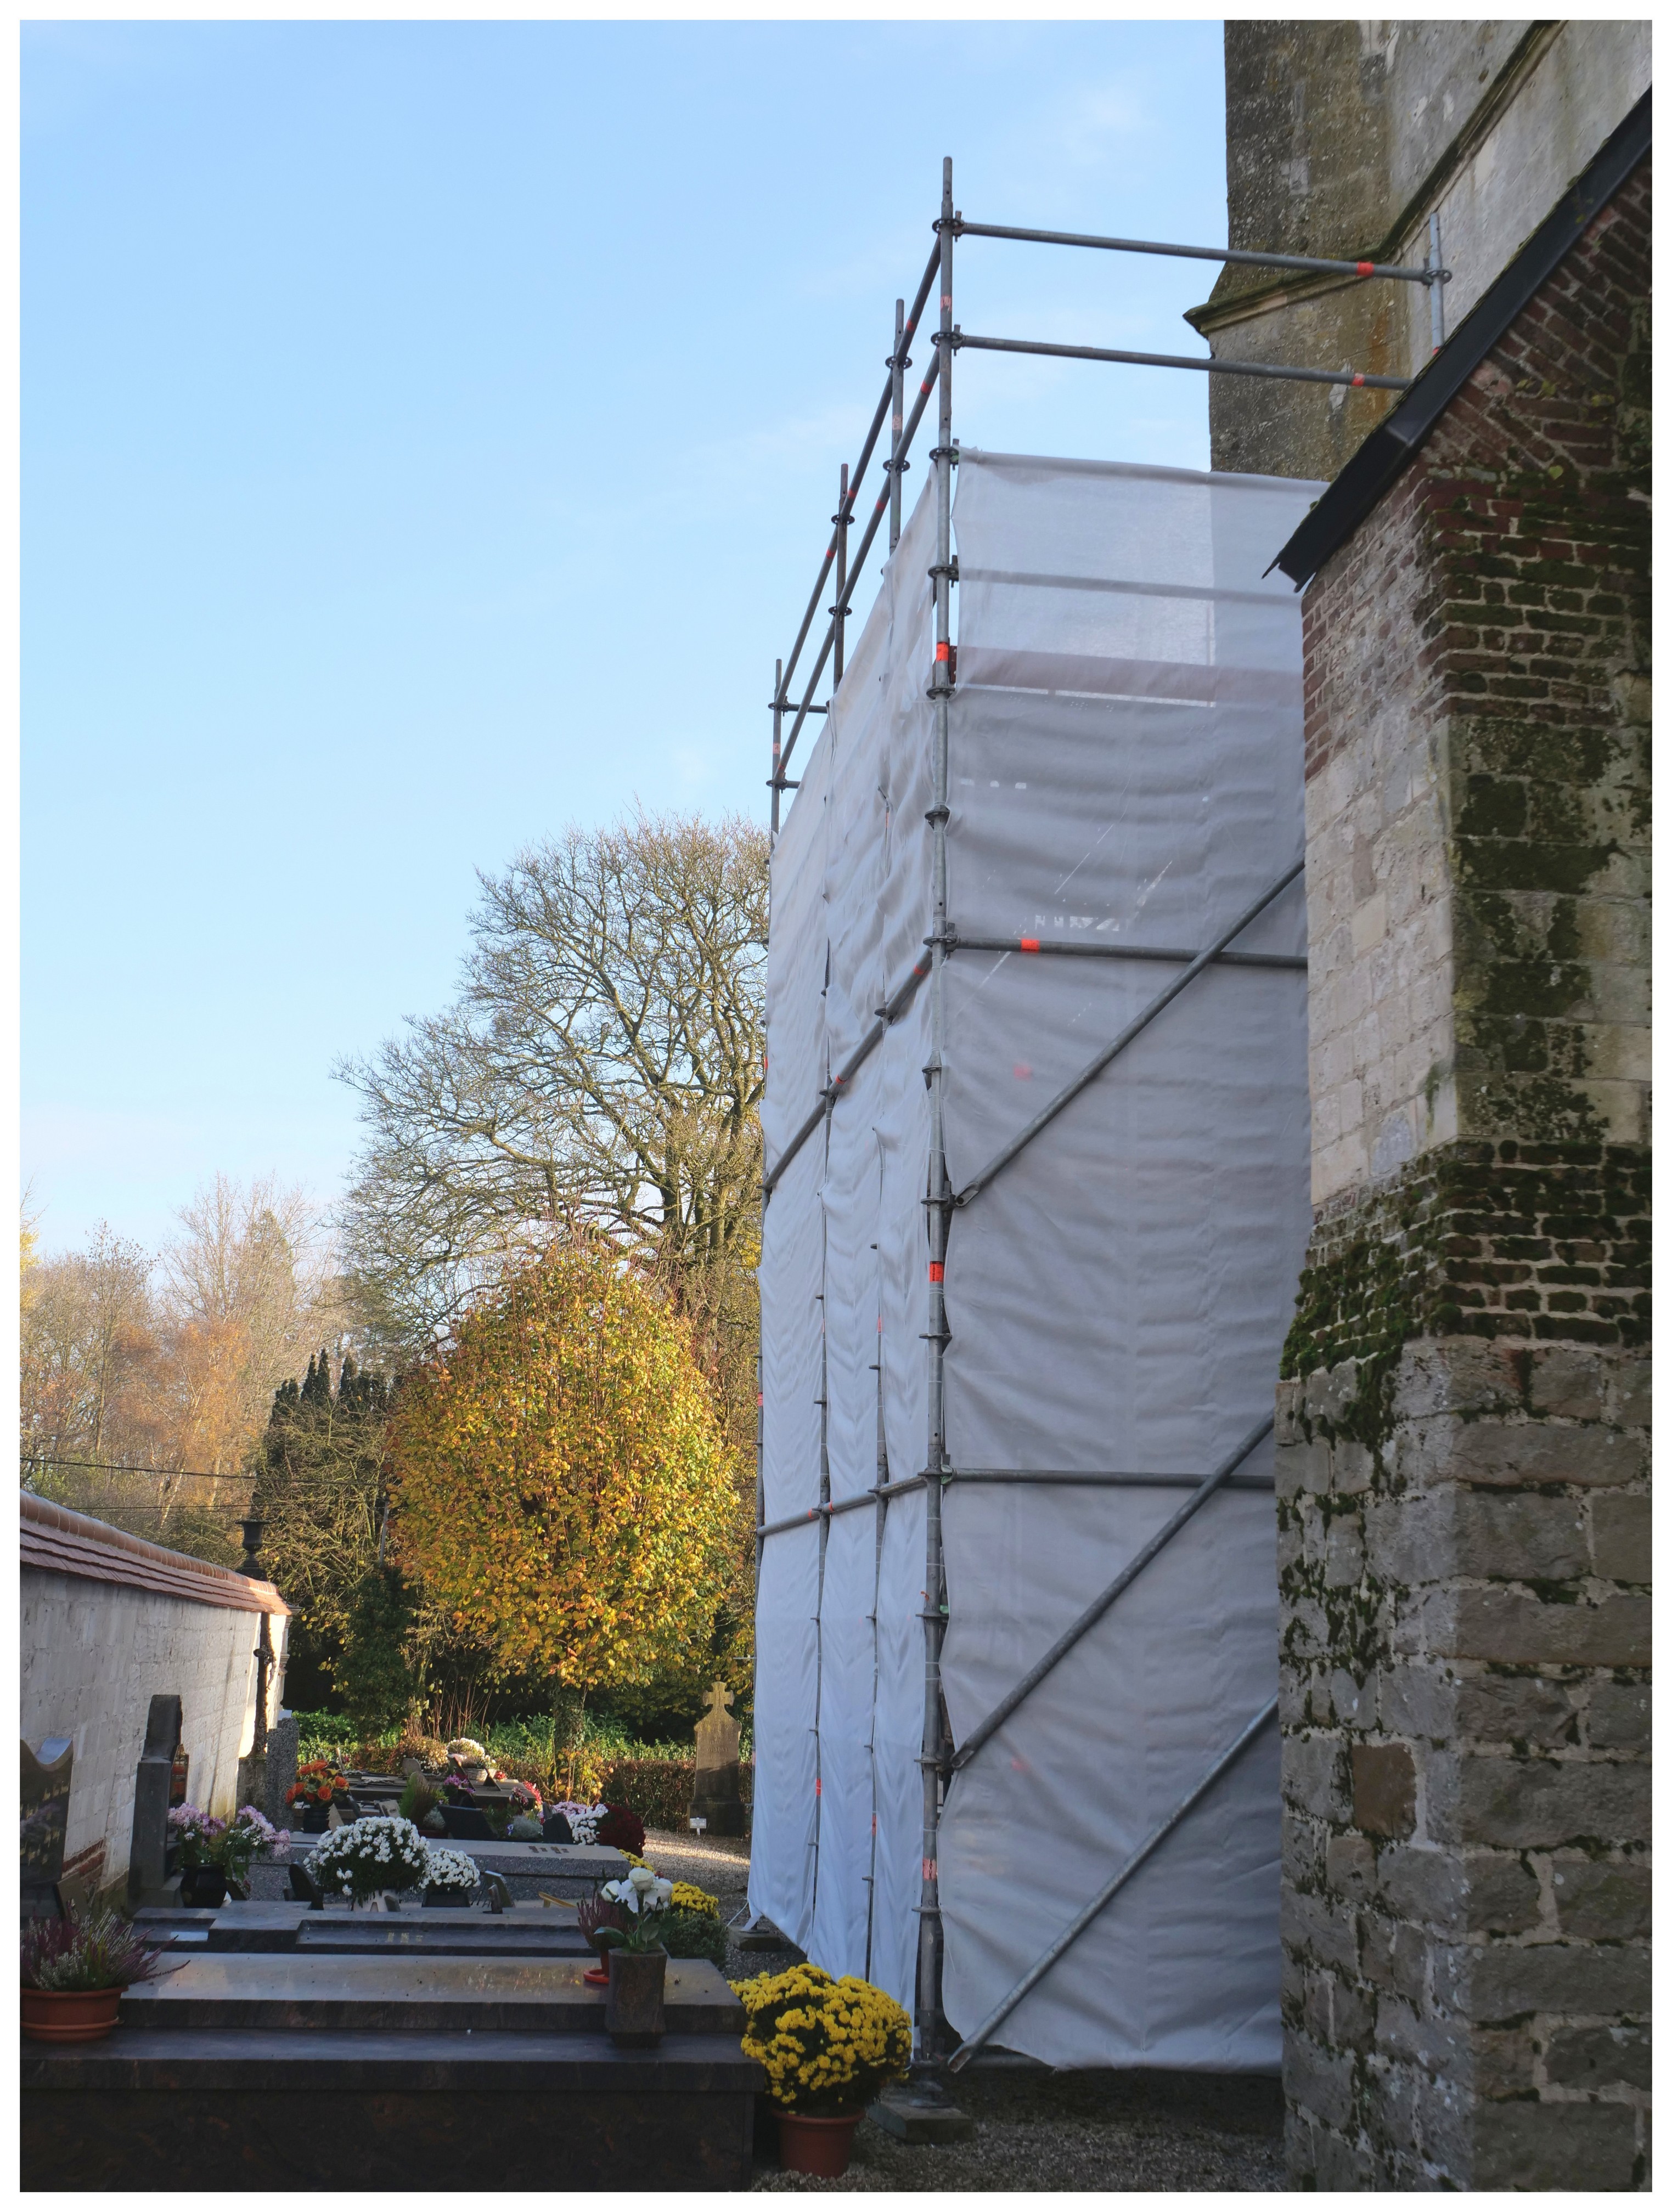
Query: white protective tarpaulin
x=1124, y=769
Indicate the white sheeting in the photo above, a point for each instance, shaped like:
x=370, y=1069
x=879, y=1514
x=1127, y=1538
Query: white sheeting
x=1125, y=765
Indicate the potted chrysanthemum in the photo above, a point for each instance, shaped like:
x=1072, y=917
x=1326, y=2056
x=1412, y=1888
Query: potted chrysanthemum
x=74, y=1970
x=453, y=1876
x=370, y=1855
x=828, y=2047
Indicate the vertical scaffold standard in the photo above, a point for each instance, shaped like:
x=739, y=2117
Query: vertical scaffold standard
x=1036, y=1161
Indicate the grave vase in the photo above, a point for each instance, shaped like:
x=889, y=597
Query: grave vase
x=203, y=1885
x=633, y=2014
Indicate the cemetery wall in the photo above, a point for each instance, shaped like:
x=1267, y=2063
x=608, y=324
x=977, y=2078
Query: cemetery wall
x=1463, y=1464
x=107, y=1622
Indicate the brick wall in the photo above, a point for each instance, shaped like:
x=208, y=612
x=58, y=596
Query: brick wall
x=1463, y=1461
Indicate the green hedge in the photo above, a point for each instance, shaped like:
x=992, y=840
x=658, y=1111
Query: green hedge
x=658, y=1790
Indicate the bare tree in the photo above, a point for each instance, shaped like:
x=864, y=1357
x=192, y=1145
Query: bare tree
x=603, y=1063
x=244, y=1295
x=88, y=1348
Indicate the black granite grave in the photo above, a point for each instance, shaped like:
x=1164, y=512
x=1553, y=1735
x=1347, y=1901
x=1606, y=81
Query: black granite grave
x=302, y=2067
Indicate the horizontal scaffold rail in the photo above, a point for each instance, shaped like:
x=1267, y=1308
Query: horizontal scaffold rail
x=1213, y=364
x=1083, y=1919
x=1060, y=1478
x=1219, y=955
x=1310, y=262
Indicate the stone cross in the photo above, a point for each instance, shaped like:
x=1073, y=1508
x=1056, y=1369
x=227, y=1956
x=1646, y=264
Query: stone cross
x=714, y=1795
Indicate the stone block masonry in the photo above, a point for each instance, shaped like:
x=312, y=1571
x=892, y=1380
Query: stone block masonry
x=1462, y=1463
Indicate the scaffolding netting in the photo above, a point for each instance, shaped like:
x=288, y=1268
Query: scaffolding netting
x=1123, y=779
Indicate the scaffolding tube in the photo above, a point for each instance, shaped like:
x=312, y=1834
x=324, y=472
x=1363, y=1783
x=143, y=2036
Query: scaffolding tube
x=1057, y=1477
x=1430, y=274
x=930, y=1933
x=876, y=514
x=936, y=1761
x=1211, y=362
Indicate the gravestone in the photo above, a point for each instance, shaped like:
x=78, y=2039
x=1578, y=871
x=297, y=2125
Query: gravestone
x=44, y=1811
x=154, y=1786
x=714, y=1795
x=281, y=1768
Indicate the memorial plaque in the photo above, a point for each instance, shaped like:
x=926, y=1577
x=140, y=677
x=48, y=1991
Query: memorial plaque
x=44, y=1807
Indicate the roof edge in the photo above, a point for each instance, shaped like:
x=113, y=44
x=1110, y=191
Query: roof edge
x=101, y=1551
x=1399, y=435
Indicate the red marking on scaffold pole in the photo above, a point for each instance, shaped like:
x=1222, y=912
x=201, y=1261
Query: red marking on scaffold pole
x=1358, y=380
x=1367, y=269
x=931, y=1870
x=937, y=1271
x=1029, y=945
x=942, y=649
x=818, y=1787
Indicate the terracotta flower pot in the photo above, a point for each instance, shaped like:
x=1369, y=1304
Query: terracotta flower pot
x=809, y=2145
x=633, y=2013
x=69, y=2015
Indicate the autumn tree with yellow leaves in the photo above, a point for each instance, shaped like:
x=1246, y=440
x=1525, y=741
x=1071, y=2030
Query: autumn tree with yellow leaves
x=560, y=1480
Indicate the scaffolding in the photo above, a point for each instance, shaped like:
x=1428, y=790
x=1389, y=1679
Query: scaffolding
x=941, y=1758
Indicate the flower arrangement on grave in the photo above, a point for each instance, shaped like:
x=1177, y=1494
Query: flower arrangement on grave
x=233, y=1845
x=86, y=1951
x=643, y=1897
x=690, y=1925
x=828, y=2047
x=583, y=1820
x=620, y=1827
x=466, y=1751
x=454, y=1872
x=381, y=1851
x=316, y=1782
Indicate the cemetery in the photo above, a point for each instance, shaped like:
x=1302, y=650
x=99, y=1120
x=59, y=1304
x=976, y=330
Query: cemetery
x=399, y=2006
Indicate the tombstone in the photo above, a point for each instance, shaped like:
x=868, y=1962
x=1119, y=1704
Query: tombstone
x=44, y=1810
x=281, y=1753
x=154, y=1787
x=714, y=1795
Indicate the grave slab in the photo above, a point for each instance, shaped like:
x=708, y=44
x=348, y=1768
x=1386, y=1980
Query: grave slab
x=411, y=1995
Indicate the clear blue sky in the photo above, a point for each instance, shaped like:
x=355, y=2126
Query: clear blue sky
x=430, y=433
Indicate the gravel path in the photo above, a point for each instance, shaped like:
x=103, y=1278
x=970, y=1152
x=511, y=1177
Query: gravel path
x=1034, y=2130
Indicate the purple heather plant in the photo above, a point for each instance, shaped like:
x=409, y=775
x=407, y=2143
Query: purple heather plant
x=86, y=1951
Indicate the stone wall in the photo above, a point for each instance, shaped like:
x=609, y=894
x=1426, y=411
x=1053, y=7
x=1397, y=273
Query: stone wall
x=1341, y=138
x=95, y=1650
x=1462, y=1460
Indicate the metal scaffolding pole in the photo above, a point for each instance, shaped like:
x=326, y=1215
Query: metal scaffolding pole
x=841, y=611
x=897, y=366
x=1210, y=363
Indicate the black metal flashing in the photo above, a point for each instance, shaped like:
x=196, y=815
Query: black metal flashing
x=1397, y=438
